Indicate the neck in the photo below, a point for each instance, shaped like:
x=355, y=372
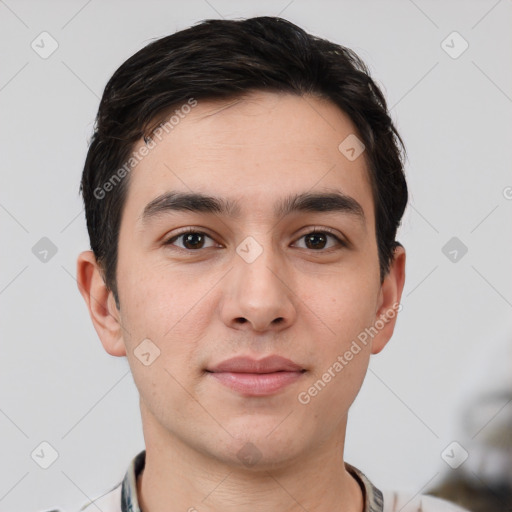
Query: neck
x=180, y=476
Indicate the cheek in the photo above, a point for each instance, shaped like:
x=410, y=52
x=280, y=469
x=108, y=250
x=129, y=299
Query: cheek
x=158, y=299
x=345, y=306
x=343, y=302
x=341, y=358
x=170, y=313
x=169, y=308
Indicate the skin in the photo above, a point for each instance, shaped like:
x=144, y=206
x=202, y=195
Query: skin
x=202, y=306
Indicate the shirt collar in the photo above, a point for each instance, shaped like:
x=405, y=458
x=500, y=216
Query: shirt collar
x=129, y=497
x=373, y=501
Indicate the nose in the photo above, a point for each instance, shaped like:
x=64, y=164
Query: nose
x=259, y=295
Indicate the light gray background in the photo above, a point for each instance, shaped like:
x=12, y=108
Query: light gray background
x=56, y=382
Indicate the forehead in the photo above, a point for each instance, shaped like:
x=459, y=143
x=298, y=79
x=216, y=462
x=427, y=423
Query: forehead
x=254, y=151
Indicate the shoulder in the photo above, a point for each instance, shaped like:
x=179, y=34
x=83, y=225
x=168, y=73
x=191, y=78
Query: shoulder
x=404, y=502
x=108, y=502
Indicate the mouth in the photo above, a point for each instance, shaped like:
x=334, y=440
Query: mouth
x=251, y=377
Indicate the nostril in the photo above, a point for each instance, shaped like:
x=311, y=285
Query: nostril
x=241, y=320
x=278, y=320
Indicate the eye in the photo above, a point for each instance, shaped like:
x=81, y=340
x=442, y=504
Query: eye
x=191, y=240
x=318, y=240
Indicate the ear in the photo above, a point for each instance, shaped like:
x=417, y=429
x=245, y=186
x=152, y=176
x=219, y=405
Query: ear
x=389, y=300
x=101, y=304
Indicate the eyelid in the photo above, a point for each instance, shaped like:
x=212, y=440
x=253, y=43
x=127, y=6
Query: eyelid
x=320, y=229
x=189, y=229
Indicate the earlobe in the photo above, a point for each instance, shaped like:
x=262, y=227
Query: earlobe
x=101, y=304
x=389, y=304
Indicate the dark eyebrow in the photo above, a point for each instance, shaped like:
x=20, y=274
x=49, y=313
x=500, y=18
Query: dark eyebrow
x=321, y=202
x=194, y=202
x=200, y=203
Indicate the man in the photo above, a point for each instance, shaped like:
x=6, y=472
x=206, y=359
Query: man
x=243, y=190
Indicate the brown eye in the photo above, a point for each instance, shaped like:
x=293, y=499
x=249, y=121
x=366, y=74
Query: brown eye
x=315, y=240
x=191, y=240
x=318, y=240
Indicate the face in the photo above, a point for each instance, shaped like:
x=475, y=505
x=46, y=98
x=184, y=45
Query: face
x=276, y=266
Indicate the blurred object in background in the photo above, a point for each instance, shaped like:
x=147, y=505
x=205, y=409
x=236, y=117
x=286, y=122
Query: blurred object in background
x=483, y=481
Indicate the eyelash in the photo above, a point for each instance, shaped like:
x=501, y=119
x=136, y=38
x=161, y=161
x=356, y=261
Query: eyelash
x=189, y=230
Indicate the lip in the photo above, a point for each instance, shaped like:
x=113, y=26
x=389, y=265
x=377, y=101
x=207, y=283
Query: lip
x=256, y=377
x=245, y=364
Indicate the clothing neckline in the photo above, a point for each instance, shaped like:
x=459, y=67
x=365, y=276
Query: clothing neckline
x=372, y=497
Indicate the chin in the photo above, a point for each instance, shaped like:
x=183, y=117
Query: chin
x=262, y=443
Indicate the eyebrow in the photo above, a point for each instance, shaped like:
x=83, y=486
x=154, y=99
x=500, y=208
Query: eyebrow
x=169, y=202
